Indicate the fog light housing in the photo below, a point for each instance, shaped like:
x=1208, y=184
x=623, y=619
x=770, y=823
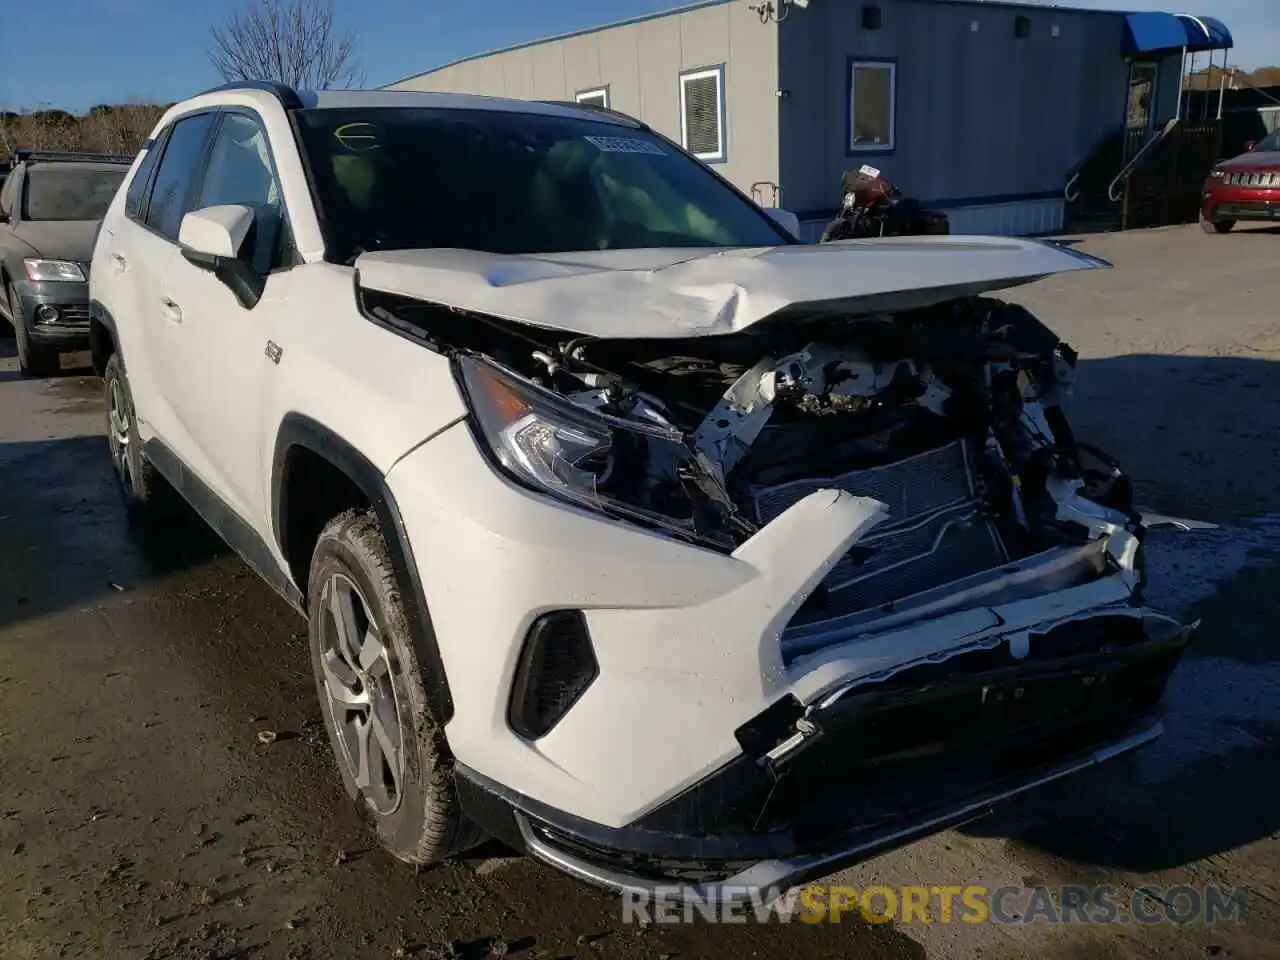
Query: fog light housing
x=46, y=313
x=556, y=666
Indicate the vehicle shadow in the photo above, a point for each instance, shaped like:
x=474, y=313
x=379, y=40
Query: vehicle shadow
x=65, y=540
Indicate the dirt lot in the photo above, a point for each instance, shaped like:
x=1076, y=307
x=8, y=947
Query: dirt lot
x=141, y=816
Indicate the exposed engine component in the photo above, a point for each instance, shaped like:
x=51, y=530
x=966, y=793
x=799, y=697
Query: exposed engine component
x=952, y=415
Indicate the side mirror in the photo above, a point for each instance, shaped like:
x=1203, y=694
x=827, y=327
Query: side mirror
x=787, y=220
x=212, y=238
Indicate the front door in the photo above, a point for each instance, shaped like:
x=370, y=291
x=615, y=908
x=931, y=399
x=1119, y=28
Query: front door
x=1141, y=108
x=223, y=354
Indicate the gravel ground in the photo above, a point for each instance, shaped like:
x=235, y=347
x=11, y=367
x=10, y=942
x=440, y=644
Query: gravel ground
x=141, y=816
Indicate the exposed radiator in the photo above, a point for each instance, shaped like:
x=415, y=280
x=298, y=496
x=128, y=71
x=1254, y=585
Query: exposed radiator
x=935, y=532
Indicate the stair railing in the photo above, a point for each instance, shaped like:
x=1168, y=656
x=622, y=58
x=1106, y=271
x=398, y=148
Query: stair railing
x=1136, y=161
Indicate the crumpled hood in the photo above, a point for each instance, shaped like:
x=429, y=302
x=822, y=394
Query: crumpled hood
x=687, y=292
x=59, y=239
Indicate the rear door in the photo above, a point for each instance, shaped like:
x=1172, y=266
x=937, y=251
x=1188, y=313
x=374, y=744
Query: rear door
x=111, y=282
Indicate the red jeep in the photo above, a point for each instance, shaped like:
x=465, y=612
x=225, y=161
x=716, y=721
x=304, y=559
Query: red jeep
x=1246, y=187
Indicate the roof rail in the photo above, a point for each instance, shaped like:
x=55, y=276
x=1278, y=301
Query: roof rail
x=26, y=155
x=596, y=108
x=287, y=96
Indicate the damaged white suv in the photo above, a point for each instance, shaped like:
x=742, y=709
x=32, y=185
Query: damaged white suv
x=629, y=529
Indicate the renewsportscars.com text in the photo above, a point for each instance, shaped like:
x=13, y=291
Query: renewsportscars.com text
x=971, y=904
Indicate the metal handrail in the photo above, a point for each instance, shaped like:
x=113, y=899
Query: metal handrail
x=1066, y=191
x=1132, y=165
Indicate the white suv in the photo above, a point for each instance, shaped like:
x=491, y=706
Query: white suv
x=629, y=529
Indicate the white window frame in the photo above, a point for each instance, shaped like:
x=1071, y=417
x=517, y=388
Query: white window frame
x=892, y=67
x=721, y=109
x=595, y=93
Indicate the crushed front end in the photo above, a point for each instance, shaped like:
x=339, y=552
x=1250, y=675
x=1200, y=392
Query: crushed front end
x=886, y=589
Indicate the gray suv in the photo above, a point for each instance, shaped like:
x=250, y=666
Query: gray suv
x=51, y=206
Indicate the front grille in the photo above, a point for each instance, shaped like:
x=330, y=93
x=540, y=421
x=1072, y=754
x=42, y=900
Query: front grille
x=936, y=532
x=1264, y=178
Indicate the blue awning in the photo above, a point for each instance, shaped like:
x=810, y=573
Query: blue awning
x=1155, y=32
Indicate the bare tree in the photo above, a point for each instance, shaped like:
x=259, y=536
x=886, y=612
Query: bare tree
x=289, y=41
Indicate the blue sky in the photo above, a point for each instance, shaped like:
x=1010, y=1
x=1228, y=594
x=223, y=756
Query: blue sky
x=103, y=51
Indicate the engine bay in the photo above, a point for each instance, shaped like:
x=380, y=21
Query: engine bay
x=952, y=414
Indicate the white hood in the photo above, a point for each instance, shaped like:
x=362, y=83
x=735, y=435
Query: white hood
x=705, y=292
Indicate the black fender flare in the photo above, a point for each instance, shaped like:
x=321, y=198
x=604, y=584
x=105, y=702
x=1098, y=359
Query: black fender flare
x=298, y=430
x=100, y=316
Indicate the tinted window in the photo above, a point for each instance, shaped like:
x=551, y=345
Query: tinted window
x=69, y=193
x=178, y=168
x=394, y=178
x=134, y=199
x=241, y=171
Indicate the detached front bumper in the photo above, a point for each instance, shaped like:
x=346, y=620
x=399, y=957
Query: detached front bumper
x=64, y=320
x=887, y=763
x=717, y=741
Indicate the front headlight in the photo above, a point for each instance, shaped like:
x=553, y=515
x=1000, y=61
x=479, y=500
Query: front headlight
x=1217, y=174
x=640, y=471
x=38, y=269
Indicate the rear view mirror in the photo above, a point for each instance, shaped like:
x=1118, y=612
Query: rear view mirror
x=216, y=231
x=787, y=220
x=211, y=238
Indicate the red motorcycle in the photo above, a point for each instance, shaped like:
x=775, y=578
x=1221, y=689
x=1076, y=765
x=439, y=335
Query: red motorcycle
x=874, y=207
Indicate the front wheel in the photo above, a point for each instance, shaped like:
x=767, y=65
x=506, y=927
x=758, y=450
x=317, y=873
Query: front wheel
x=34, y=359
x=1216, y=226
x=392, y=753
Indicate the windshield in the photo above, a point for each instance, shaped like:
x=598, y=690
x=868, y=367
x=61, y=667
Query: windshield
x=53, y=193
x=392, y=178
x=1270, y=143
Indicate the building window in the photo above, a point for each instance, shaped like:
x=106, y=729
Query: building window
x=702, y=125
x=593, y=98
x=872, y=98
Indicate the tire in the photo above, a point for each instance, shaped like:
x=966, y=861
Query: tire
x=1216, y=227
x=408, y=795
x=141, y=486
x=34, y=360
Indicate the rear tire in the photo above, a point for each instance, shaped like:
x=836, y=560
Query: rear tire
x=141, y=486
x=1216, y=227
x=391, y=752
x=34, y=359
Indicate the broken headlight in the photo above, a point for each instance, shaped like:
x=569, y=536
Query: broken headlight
x=640, y=470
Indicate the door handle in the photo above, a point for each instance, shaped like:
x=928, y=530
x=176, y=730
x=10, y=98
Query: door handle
x=171, y=310
x=118, y=263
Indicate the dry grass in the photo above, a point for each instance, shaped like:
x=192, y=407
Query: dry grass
x=115, y=128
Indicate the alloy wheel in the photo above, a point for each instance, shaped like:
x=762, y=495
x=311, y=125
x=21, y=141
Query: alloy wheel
x=360, y=694
x=120, y=435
